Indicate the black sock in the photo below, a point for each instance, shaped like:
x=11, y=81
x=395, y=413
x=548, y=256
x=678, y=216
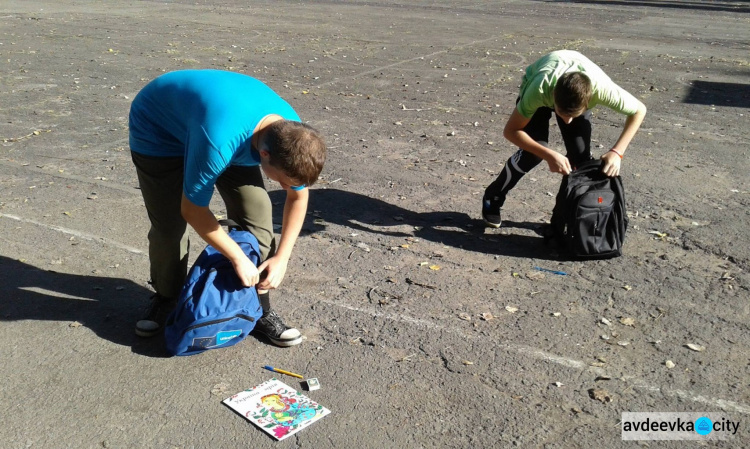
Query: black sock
x=265, y=302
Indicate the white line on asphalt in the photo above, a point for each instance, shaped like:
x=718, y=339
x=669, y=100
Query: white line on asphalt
x=107, y=185
x=78, y=234
x=690, y=396
x=560, y=360
x=54, y=294
x=416, y=58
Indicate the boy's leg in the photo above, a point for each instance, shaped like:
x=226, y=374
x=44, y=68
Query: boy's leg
x=160, y=180
x=520, y=163
x=577, y=138
x=248, y=204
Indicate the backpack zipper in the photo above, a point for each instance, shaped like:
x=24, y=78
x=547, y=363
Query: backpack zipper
x=208, y=323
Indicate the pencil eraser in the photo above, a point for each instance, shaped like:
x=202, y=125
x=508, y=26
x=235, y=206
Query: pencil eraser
x=311, y=384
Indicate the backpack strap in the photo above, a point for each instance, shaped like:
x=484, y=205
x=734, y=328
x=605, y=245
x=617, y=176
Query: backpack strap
x=230, y=224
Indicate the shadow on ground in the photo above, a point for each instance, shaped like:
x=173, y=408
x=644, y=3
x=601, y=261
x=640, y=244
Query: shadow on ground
x=108, y=306
x=719, y=94
x=701, y=5
x=456, y=229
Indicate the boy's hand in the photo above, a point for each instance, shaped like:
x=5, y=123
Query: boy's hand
x=275, y=269
x=559, y=164
x=612, y=164
x=247, y=271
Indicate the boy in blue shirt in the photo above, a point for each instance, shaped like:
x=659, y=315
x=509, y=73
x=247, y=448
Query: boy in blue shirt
x=570, y=85
x=192, y=130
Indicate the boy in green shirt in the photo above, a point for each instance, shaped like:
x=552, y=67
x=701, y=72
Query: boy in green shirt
x=569, y=84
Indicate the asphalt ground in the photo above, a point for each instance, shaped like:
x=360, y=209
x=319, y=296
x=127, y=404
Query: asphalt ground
x=424, y=328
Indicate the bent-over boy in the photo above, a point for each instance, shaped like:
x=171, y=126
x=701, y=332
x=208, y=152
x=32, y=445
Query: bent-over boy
x=193, y=130
x=570, y=85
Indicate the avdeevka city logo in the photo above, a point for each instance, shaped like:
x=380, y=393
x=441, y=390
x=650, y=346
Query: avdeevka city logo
x=678, y=426
x=703, y=426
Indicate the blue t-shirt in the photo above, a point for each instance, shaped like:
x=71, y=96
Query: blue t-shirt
x=206, y=116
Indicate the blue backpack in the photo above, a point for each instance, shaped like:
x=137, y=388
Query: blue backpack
x=214, y=310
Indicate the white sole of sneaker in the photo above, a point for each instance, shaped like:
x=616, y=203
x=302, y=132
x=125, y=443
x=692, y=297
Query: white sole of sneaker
x=285, y=343
x=146, y=334
x=490, y=224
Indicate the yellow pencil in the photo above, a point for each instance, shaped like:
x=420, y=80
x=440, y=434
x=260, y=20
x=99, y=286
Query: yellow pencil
x=281, y=371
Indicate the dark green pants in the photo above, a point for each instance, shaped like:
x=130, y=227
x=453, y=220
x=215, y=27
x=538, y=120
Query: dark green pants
x=161, y=179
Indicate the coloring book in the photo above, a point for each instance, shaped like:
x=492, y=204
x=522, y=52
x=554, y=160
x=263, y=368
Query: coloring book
x=277, y=408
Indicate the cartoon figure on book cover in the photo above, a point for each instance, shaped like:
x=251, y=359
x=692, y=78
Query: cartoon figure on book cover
x=287, y=411
x=277, y=408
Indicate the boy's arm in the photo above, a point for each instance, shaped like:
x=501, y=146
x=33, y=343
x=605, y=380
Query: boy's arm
x=515, y=134
x=613, y=158
x=203, y=221
x=295, y=208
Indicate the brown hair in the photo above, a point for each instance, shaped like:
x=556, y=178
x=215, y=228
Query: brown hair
x=297, y=149
x=572, y=93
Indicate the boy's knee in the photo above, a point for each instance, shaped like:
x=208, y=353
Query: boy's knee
x=170, y=234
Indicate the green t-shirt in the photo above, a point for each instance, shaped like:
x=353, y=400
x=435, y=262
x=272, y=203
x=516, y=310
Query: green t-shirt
x=541, y=77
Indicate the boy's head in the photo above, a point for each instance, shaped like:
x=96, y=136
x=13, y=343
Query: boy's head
x=572, y=94
x=296, y=149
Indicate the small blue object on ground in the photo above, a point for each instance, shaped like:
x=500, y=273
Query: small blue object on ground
x=561, y=273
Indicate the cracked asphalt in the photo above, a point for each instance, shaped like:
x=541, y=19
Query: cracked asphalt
x=424, y=328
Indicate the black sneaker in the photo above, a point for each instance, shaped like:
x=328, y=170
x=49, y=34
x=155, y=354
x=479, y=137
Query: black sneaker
x=272, y=327
x=491, y=213
x=153, y=321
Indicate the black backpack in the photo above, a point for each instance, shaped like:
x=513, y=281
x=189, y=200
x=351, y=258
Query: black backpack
x=589, y=219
